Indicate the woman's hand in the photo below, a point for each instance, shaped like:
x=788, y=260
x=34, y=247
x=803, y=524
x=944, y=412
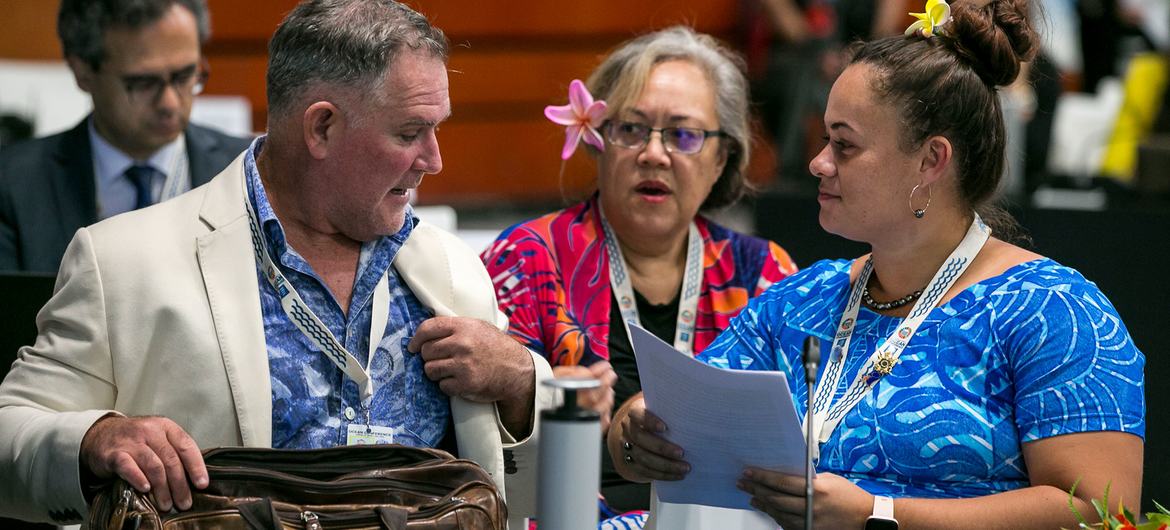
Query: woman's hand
x=837, y=502
x=598, y=399
x=639, y=451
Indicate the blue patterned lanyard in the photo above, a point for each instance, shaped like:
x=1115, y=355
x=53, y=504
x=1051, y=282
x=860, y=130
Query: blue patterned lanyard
x=303, y=317
x=825, y=417
x=619, y=280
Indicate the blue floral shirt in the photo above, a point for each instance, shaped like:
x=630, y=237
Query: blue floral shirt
x=313, y=402
x=1035, y=352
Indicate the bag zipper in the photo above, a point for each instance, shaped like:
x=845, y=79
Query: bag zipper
x=312, y=522
x=347, y=484
x=355, y=519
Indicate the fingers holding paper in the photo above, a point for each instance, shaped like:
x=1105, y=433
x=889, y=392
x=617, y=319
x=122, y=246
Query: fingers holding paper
x=640, y=452
x=838, y=502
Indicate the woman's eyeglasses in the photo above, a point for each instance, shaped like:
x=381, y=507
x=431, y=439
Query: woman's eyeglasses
x=685, y=140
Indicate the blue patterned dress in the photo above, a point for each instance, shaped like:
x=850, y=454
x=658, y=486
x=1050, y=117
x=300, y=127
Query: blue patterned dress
x=1035, y=352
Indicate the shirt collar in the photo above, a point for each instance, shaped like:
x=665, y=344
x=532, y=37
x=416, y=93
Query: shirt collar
x=110, y=163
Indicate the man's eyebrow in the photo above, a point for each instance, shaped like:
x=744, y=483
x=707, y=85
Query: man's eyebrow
x=419, y=122
x=143, y=75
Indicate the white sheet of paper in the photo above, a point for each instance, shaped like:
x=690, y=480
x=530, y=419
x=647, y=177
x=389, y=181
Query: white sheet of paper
x=725, y=421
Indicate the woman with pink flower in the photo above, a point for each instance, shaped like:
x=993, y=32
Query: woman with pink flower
x=669, y=132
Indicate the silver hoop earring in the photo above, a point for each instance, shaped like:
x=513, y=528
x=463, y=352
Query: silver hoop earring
x=920, y=212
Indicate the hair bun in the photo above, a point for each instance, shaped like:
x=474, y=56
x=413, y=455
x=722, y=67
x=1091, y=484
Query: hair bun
x=995, y=37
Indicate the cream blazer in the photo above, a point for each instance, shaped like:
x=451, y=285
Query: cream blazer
x=157, y=312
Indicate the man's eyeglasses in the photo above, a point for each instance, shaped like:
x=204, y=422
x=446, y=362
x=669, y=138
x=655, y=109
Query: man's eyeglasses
x=685, y=140
x=146, y=88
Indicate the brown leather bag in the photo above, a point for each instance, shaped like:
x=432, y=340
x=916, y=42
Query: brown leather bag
x=361, y=487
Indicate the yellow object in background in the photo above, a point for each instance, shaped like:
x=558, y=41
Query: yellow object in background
x=1145, y=82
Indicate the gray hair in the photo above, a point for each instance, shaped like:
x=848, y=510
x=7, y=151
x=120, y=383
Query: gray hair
x=82, y=24
x=620, y=78
x=346, y=42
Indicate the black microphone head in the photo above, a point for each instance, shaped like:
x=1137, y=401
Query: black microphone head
x=812, y=351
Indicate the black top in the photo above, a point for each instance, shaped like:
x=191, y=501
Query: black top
x=621, y=494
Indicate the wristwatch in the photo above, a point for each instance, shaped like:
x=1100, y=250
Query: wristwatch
x=883, y=515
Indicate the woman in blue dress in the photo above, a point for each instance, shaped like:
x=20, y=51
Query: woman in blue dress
x=965, y=382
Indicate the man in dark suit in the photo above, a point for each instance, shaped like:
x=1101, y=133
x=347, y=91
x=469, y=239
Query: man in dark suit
x=141, y=63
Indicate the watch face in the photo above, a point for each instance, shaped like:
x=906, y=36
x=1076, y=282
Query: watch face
x=875, y=523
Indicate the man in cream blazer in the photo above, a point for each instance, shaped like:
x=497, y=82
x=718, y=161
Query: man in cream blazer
x=114, y=338
x=154, y=343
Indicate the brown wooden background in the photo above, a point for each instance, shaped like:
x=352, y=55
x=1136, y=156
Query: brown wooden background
x=509, y=59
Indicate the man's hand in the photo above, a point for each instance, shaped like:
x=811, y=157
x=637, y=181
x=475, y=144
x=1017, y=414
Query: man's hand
x=471, y=359
x=598, y=399
x=153, y=454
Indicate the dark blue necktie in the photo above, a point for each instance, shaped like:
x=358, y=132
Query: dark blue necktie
x=141, y=177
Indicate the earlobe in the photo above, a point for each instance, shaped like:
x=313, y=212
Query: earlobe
x=321, y=125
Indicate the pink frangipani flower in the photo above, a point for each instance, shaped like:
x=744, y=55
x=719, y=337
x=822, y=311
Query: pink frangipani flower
x=582, y=118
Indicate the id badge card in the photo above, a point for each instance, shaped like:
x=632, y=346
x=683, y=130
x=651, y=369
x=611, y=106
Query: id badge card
x=358, y=434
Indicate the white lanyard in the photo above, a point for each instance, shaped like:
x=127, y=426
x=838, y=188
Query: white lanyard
x=179, y=177
x=825, y=417
x=303, y=317
x=619, y=280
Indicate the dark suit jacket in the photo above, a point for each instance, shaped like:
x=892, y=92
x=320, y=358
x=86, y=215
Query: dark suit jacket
x=47, y=190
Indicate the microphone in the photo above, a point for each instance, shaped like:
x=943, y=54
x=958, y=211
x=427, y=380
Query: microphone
x=812, y=359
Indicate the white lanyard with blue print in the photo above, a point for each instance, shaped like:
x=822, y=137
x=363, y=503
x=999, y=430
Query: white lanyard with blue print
x=619, y=280
x=303, y=317
x=179, y=179
x=825, y=418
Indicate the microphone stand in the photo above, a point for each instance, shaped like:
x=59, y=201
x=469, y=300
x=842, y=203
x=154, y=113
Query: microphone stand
x=812, y=358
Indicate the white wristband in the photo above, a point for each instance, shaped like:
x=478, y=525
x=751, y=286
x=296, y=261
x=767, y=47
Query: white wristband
x=883, y=515
x=883, y=507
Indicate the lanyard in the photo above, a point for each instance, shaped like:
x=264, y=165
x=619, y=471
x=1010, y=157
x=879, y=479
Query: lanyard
x=619, y=280
x=179, y=177
x=825, y=418
x=303, y=317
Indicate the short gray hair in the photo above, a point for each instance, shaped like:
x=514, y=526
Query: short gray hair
x=82, y=24
x=347, y=42
x=620, y=78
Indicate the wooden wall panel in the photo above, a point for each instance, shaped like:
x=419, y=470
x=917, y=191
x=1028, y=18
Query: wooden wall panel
x=509, y=59
x=481, y=78
x=29, y=30
x=504, y=160
x=505, y=19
